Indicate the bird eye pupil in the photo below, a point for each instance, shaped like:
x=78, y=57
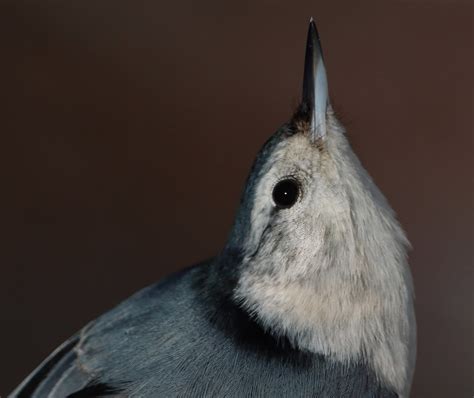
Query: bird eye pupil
x=285, y=193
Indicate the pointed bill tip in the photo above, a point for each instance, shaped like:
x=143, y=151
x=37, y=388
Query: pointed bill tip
x=313, y=34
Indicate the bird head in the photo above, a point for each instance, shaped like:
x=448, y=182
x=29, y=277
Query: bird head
x=323, y=256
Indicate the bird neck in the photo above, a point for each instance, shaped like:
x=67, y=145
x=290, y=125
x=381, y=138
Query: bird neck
x=354, y=302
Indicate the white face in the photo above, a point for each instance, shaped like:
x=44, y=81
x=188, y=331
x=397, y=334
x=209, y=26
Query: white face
x=298, y=202
x=328, y=269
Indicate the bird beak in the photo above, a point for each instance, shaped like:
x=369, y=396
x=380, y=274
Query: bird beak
x=315, y=84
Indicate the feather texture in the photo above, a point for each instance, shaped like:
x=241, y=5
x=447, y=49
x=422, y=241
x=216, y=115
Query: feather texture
x=184, y=338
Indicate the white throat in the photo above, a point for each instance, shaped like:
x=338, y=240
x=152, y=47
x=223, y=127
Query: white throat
x=347, y=292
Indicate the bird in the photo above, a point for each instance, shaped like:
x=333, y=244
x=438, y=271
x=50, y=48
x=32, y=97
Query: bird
x=311, y=296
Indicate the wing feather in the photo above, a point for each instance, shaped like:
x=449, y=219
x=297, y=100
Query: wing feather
x=57, y=375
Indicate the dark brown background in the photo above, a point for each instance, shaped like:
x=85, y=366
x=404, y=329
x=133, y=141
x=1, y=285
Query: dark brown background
x=128, y=128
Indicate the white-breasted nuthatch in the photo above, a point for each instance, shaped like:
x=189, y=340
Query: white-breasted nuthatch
x=311, y=296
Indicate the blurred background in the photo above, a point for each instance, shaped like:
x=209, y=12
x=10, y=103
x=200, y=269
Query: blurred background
x=128, y=129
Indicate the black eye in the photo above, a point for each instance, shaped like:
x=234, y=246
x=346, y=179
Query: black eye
x=285, y=193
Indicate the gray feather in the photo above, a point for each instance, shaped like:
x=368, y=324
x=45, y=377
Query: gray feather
x=163, y=343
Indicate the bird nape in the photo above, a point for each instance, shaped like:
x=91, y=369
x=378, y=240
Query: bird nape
x=310, y=297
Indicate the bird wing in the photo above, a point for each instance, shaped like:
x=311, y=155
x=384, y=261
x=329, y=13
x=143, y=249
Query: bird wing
x=75, y=369
x=61, y=375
